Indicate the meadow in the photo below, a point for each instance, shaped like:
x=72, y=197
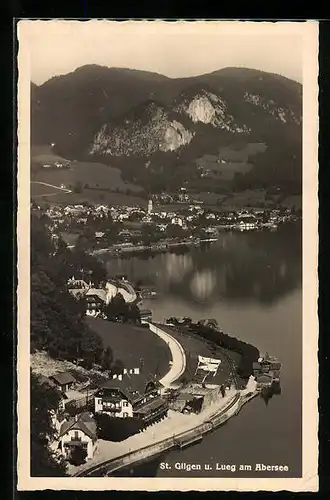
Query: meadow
x=90, y=182
x=132, y=344
x=38, y=190
x=89, y=174
x=92, y=197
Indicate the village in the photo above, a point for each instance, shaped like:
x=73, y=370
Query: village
x=125, y=229
x=96, y=422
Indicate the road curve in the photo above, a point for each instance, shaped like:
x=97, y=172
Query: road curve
x=59, y=188
x=178, y=365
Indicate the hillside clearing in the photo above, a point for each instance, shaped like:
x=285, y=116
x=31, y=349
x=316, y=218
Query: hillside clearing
x=132, y=344
x=40, y=189
x=42, y=364
x=88, y=174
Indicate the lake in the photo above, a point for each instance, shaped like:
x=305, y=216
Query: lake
x=250, y=282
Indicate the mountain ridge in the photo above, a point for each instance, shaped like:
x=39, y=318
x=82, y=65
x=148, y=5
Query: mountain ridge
x=116, y=113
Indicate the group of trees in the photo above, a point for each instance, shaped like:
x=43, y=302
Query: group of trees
x=119, y=310
x=57, y=318
x=57, y=326
x=44, y=399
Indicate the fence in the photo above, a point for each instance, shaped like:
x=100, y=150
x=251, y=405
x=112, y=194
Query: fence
x=81, y=402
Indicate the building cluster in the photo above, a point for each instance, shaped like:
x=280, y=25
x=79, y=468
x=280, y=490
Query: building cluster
x=132, y=222
x=131, y=395
x=181, y=197
x=57, y=164
x=266, y=371
x=96, y=298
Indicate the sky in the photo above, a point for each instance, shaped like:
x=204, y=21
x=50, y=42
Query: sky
x=174, y=49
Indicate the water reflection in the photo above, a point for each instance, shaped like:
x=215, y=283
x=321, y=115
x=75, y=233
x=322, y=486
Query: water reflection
x=269, y=392
x=203, y=284
x=251, y=283
x=252, y=266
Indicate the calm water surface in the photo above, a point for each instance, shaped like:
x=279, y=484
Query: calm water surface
x=251, y=283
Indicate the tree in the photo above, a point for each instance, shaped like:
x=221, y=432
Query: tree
x=134, y=314
x=57, y=318
x=117, y=307
x=107, y=359
x=91, y=346
x=44, y=400
x=77, y=188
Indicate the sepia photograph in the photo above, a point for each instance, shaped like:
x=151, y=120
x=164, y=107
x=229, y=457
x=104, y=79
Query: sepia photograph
x=167, y=255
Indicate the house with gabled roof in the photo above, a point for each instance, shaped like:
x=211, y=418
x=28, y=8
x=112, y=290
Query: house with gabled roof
x=64, y=381
x=131, y=396
x=79, y=431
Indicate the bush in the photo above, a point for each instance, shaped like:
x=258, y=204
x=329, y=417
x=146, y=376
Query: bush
x=77, y=188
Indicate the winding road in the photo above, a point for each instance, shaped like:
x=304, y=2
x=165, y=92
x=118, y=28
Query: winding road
x=178, y=364
x=198, y=425
x=59, y=188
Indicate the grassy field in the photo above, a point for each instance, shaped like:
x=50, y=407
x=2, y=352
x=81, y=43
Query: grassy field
x=230, y=160
x=223, y=171
x=89, y=174
x=94, y=197
x=235, y=154
x=45, y=154
x=193, y=347
x=98, y=182
x=131, y=344
x=257, y=198
x=43, y=191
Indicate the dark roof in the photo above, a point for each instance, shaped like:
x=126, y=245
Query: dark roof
x=145, y=312
x=150, y=406
x=256, y=365
x=84, y=422
x=132, y=386
x=63, y=378
x=275, y=365
x=264, y=378
x=184, y=396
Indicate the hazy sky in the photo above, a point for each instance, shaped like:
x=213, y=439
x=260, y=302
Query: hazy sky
x=170, y=48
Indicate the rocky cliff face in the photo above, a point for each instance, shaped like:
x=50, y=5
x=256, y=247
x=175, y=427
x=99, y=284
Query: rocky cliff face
x=154, y=132
x=285, y=114
x=206, y=107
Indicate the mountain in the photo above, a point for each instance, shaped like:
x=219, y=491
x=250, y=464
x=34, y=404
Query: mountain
x=137, y=119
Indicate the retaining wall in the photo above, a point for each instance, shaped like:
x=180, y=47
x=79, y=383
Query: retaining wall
x=149, y=451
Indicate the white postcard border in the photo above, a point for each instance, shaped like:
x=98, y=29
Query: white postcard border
x=309, y=481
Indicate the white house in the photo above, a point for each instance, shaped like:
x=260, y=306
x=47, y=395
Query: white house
x=79, y=431
x=113, y=401
x=177, y=220
x=131, y=395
